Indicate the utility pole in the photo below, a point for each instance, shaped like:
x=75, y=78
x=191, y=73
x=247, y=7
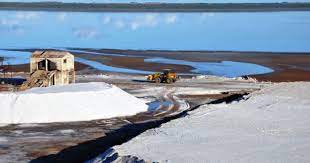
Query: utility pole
x=4, y=70
x=1, y=63
x=2, y=67
x=9, y=68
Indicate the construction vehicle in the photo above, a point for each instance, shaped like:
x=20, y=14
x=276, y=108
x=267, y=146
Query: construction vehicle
x=166, y=76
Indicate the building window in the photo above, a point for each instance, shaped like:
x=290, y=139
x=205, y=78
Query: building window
x=65, y=60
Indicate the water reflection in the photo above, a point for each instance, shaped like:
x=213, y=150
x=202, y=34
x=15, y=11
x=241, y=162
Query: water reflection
x=279, y=31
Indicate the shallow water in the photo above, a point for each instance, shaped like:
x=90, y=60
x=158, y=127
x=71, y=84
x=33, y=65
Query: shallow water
x=103, y=67
x=224, y=68
x=155, y=105
x=14, y=58
x=262, y=31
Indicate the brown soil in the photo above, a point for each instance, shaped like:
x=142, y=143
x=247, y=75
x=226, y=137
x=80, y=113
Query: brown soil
x=6, y=87
x=288, y=75
x=80, y=66
x=138, y=63
x=133, y=63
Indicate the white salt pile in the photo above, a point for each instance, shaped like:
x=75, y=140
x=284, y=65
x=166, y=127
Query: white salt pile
x=75, y=102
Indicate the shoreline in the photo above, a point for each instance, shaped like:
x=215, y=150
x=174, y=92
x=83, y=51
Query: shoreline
x=286, y=66
x=154, y=7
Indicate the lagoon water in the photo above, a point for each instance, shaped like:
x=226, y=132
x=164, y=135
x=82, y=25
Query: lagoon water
x=224, y=68
x=262, y=31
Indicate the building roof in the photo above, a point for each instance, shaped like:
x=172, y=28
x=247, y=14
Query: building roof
x=50, y=54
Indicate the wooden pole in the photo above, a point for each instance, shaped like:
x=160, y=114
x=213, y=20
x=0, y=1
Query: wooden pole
x=46, y=64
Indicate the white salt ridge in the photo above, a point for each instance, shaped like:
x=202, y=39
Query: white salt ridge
x=75, y=102
x=271, y=126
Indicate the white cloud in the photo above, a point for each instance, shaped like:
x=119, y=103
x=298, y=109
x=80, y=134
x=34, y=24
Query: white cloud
x=18, y=30
x=9, y=22
x=148, y=20
x=11, y=26
x=106, y=19
x=134, y=22
x=135, y=25
x=119, y=24
x=27, y=15
x=14, y=23
x=206, y=15
x=131, y=21
x=86, y=33
x=170, y=19
x=62, y=16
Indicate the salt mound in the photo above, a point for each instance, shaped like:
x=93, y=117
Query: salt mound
x=75, y=102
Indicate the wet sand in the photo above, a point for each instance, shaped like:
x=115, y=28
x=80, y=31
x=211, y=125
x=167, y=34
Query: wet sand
x=155, y=7
x=288, y=75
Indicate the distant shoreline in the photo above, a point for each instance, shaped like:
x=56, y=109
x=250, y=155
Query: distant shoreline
x=154, y=7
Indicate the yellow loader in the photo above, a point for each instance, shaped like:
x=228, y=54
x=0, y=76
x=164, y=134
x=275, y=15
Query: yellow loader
x=166, y=76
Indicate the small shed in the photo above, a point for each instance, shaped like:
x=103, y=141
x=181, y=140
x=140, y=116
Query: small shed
x=57, y=67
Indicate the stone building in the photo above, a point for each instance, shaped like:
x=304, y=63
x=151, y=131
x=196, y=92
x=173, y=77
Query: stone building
x=49, y=68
